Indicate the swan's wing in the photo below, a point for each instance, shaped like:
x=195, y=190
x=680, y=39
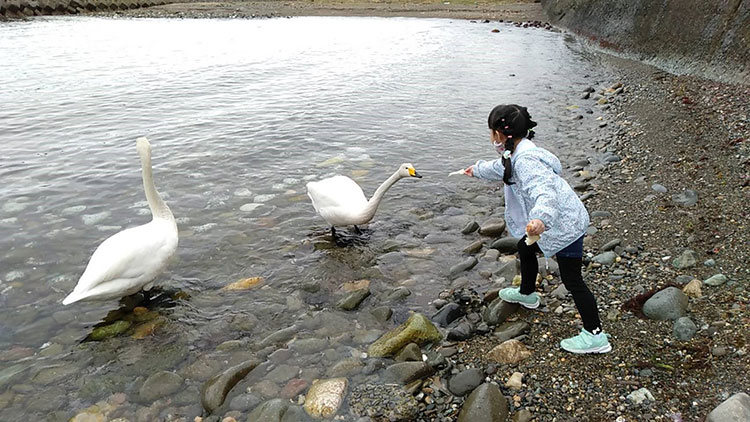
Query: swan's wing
x=336, y=191
x=129, y=254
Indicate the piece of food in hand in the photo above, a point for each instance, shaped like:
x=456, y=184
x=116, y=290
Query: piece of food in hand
x=462, y=171
x=531, y=238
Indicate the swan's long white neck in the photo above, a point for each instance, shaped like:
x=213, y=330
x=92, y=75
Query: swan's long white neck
x=159, y=208
x=374, y=202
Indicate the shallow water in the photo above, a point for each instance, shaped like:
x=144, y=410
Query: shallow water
x=241, y=114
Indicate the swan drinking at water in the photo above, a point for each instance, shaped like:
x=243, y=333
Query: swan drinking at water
x=129, y=260
x=341, y=202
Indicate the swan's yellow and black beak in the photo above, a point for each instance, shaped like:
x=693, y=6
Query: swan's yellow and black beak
x=413, y=173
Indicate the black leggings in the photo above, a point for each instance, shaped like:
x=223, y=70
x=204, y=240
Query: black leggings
x=570, y=273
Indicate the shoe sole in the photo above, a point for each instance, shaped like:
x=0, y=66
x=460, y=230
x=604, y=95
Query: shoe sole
x=601, y=349
x=525, y=305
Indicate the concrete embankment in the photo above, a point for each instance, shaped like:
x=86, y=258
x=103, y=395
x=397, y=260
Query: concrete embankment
x=21, y=8
x=705, y=38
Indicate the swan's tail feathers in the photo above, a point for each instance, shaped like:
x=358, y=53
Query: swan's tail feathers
x=73, y=297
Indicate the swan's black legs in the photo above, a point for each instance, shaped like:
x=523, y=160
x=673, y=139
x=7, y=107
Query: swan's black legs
x=357, y=230
x=333, y=233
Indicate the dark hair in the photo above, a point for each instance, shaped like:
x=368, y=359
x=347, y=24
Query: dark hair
x=514, y=122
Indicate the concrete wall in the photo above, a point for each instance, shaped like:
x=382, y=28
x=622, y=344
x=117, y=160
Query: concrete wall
x=20, y=8
x=710, y=38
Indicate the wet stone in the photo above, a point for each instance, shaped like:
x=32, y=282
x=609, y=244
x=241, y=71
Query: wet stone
x=215, y=390
x=406, y=372
x=158, y=385
x=493, y=227
x=417, y=329
x=498, y=311
x=352, y=301
x=282, y=373
x=54, y=374
x=466, y=381
x=411, y=353
x=244, y=402
x=278, y=410
x=345, y=368
x=382, y=313
x=462, y=266
x=395, y=294
x=308, y=346
x=474, y=247
x=463, y=331
x=506, y=245
x=470, y=227
x=447, y=314
x=383, y=402
x=325, y=397
x=511, y=330
x=486, y=403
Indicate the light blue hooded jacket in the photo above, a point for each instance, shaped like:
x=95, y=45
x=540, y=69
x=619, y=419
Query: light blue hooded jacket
x=538, y=192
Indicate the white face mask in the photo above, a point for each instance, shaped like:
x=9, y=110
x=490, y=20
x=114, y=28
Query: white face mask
x=499, y=147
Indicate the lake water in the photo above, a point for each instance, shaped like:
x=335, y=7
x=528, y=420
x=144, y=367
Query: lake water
x=241, y=114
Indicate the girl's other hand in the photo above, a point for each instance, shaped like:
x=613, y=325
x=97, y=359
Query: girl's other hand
x=535, y=227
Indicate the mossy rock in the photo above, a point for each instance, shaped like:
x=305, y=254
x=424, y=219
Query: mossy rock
x=109, y=331
x=417, y=329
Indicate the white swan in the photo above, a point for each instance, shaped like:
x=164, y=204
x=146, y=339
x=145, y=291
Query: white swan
x=129, y=260
x=341, y=202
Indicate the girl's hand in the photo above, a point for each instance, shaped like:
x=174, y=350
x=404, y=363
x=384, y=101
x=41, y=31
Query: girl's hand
x=535, y=227
x=469, y=171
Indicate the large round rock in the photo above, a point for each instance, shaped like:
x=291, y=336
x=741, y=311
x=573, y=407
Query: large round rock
x=668, y=304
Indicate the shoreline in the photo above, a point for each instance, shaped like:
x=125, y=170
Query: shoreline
x=500, y=10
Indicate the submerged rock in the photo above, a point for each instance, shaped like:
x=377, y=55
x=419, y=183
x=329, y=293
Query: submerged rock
x=109, y=331
x=353, y=299
x=325, y=397
x=160, y=384
x=384, y=402
x=216, y=389
x=278, y=410
x=406, y=372
x=417, y=329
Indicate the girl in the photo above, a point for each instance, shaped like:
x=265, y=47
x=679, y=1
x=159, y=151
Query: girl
x=538, y=202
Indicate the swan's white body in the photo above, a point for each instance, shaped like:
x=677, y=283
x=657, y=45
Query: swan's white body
x=341, y=202
x=129, y=261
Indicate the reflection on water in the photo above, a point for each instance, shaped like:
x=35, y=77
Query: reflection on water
x=241, y=114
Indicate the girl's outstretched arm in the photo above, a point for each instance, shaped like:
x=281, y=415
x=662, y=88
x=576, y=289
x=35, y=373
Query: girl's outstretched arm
x=488, y=170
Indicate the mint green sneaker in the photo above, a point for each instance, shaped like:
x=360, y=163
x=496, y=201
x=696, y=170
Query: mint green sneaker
x=587, y=343
x=513, y=295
